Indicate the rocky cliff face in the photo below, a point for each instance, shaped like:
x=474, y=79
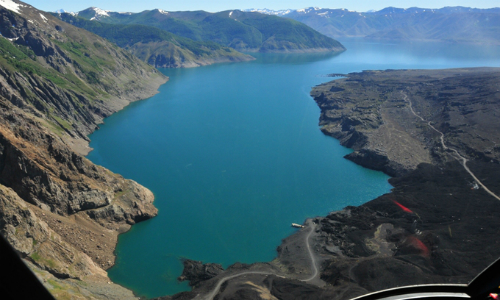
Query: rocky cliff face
x=61, y=212
x=43, y=171
x=437, y=224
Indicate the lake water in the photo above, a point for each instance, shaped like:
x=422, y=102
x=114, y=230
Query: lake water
x=234, y=155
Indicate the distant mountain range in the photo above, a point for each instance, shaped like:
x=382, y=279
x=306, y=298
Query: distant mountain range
x=243, y=31
x=455, y=24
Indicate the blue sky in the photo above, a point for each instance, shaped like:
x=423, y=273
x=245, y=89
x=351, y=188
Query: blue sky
x=219, y=5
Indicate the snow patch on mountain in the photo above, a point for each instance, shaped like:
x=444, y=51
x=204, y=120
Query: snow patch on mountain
x=11, y=39
x=11, y=5
x=62, y=11
x=308, y=10
x=266, y=11
x=282, y=12
x=99, y=13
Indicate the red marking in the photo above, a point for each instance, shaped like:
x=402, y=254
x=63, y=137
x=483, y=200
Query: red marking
x=494, y=296
x=420, y=245
x=404, y=208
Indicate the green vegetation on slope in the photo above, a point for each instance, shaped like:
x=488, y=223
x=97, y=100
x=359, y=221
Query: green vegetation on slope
x=156, y=46
x=244, y=31
x=20, y=58
x=69, y=77
x=275, y=29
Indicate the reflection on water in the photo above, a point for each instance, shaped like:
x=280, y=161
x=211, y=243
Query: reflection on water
x=293, y=58
x=420, y=54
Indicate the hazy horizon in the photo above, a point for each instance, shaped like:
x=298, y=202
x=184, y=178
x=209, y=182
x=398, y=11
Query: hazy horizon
x=360, y=6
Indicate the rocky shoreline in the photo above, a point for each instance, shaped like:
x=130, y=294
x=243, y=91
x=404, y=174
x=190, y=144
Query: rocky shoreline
x=296, y=51
x=62, y=213
x=436, y=225
x=160, y=61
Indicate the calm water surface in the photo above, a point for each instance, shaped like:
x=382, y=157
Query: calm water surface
x=234, y=154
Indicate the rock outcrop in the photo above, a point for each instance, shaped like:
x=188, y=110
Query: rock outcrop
x=196, y=271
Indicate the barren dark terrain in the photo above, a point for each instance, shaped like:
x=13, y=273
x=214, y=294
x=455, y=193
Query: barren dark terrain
x=438, y=224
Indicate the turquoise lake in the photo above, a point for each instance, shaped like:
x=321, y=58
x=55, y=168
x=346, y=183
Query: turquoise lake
x=234, y=155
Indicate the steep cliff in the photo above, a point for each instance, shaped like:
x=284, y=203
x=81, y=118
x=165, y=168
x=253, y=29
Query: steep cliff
x=61, y=212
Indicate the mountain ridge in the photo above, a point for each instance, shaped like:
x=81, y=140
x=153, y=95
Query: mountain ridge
x=157, y=47
x=450, y=24
x=243, y=31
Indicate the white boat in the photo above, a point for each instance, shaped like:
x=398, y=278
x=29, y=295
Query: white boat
x=297, y=225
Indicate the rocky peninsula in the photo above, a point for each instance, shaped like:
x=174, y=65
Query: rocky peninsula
x=436, y=132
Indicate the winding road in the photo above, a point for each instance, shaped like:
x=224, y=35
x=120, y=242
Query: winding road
x=219, y=284
x=314, y=268
x=458, y=156
x=311, y=254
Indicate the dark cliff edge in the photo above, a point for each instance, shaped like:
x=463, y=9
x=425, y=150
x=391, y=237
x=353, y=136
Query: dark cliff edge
x=435, y=226
x=62, y=213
